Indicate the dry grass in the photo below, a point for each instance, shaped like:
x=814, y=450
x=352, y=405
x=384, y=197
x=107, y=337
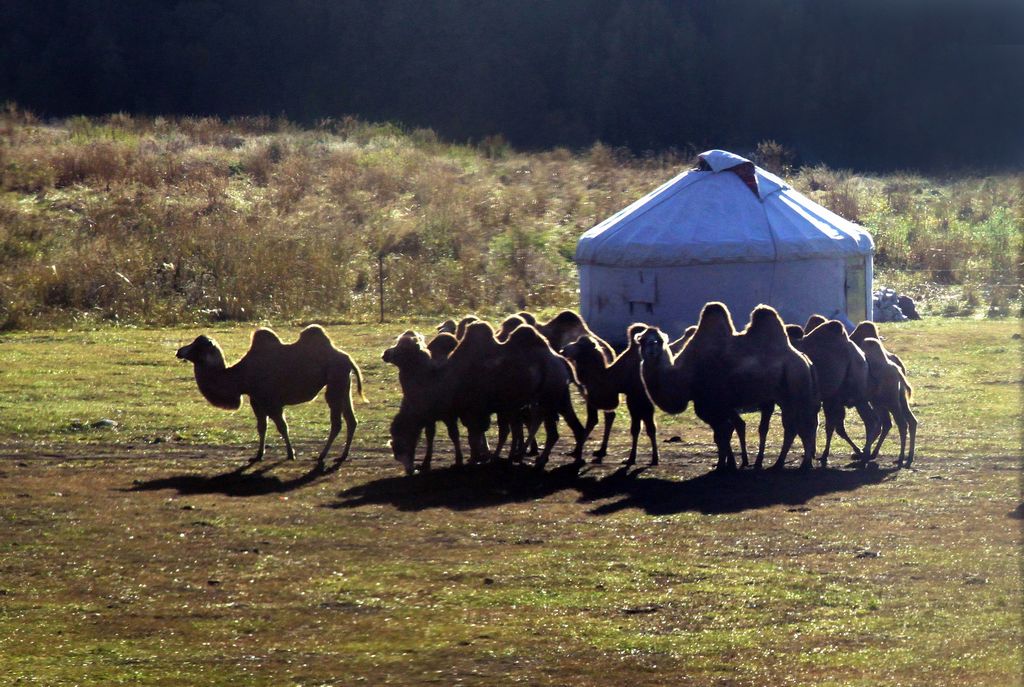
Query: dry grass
x=174, y=220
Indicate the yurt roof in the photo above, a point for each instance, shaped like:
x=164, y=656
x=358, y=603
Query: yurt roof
x=726, y=210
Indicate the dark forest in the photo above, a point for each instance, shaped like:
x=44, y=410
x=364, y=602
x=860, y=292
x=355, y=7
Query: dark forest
x=931, y=86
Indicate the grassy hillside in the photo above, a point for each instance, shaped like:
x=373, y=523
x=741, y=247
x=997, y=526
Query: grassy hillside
x=177, y=220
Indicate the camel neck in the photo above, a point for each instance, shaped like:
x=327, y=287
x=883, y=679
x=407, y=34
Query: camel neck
x=667, y=383
x=219, y=385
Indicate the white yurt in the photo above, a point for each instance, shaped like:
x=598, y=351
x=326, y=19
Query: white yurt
x=726, y=231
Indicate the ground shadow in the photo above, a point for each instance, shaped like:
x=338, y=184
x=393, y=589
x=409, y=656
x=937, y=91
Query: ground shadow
x=251, y=479
x=466, y=488
x=716, y=492
x=483, y=486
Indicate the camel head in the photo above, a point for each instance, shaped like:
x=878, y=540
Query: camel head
x=203, y=352
x=446, y=327
x=408, y=348
x=653, y=345
x=583, y=349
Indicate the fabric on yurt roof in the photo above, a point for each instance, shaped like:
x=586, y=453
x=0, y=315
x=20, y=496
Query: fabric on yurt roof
x=710, y=216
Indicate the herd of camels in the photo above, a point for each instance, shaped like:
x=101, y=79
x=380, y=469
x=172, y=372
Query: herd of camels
x=522, y=373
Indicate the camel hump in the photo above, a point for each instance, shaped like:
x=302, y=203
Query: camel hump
x=525, y=336
x=795, y=332
x=314, y=332
x=814, y=321
x=478, y=337
x=442, y=345
x=832, y=329
x=527, y=317
x=874, y=351
x=263, y=339
x=864, y=330
x=766, y=327
x=509, y=325
x=463, y=325
x=566, y=318
x=715, y=320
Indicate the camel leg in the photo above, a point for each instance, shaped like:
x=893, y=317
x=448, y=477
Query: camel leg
x=834, y=414
x=788, y=435
x=588, y=427
x=886, y=426
x=723, y=440
x=609, y=419
x=652, y=430
x=912, y=426
x=634, y=432
x=566, y=411
x=429, y=430
x=551, y=432
x=901, y=427
x=767, y=411
x=808, y=431
x=282, y=428
x=741, y=434
x=643, y=409
x=504, y=429
x=339, y=400
x=872, y=426
x=261, y=429
x=453, y=433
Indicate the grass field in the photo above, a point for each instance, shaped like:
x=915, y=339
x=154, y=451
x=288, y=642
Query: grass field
x=149, y=553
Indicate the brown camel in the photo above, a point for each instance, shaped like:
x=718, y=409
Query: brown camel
x=483, y=376
x=890, y=394
x=423, y=400
x=561, y=330
x=506, y=378
x=842, y=375
x=275, y=375
x=722, y=372
x=604, y=381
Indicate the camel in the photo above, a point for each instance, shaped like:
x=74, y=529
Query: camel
x=890, y=394
x=483, y=376
x=723, y=371
x=604, y=380
x=274, y=375
x=418, y=366
x=842, y=375
x=561, y=330
x=507, y=377
x=868, y=329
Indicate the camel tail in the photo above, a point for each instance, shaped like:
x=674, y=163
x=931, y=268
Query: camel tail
x=359, y=379
x=906, y=385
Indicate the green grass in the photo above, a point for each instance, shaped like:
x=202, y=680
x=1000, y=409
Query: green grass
x=142, y=555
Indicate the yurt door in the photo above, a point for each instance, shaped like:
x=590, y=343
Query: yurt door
x=856, y=290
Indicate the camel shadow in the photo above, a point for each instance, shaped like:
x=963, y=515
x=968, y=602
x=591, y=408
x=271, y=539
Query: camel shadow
x=493, y=484
x=467, y=488
x=239, y=482
x=719, y=493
